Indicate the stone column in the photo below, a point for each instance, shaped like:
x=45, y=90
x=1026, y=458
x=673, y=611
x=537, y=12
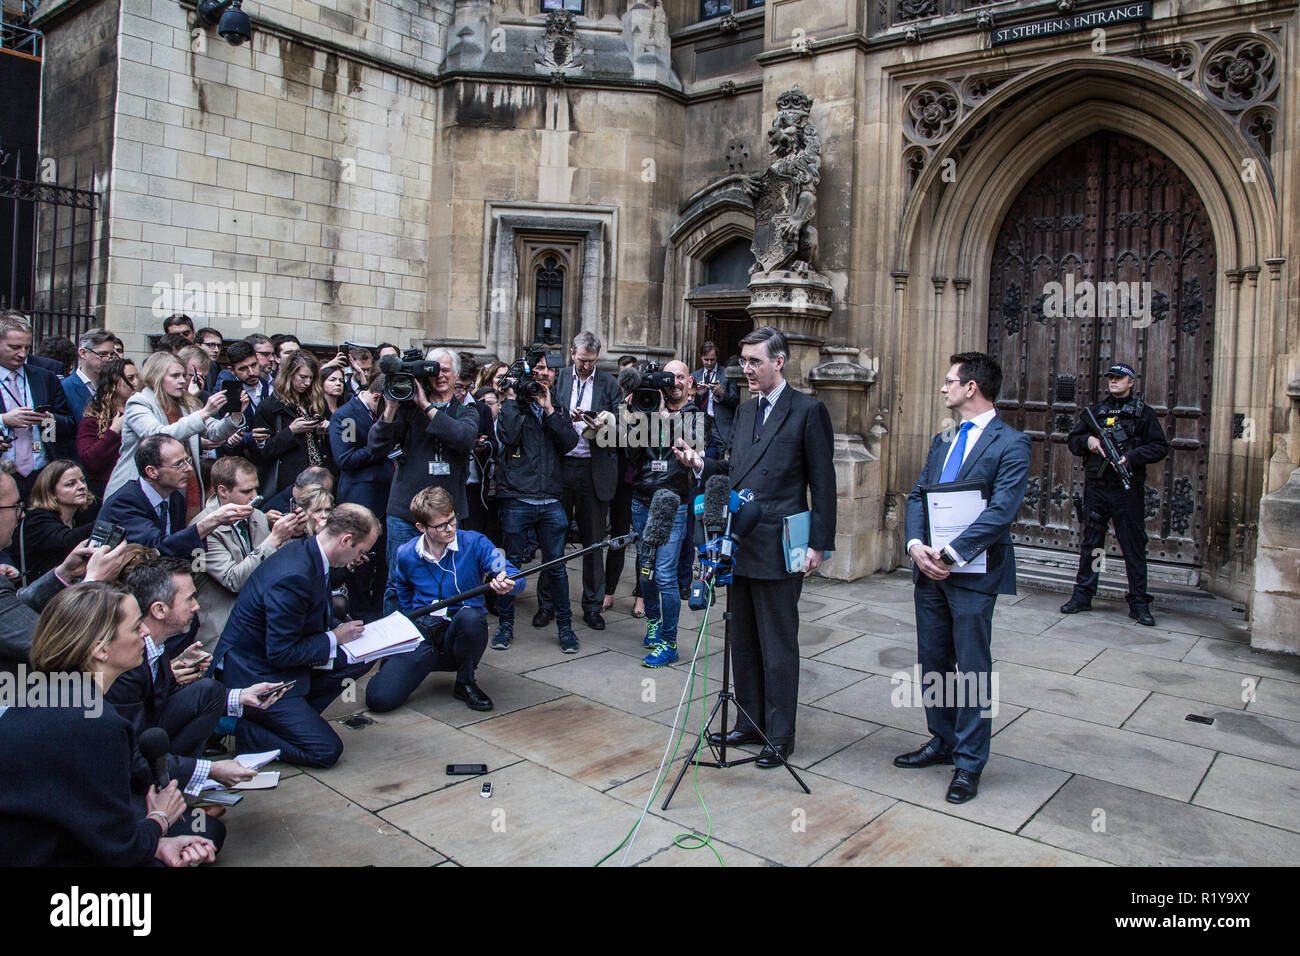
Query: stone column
x=797, y=305
x=1276, y=605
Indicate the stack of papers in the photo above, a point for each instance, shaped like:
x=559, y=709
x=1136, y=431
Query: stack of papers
x=391, y=635
x=265, y=780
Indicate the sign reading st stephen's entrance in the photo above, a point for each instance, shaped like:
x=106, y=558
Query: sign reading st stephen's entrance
x=1073, y=22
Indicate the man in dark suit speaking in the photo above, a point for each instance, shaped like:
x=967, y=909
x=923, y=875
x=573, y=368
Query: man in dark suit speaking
x=781, y=450
x=281, y=630
x=954, y=609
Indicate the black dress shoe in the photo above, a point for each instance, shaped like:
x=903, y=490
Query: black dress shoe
x=1074, y=607
x=770, y=757
x=1143, y=616
x=735, y=738
x=543, y=617
x=965, y=784
x=474, y=698
x=593, y=620
x=927, y=756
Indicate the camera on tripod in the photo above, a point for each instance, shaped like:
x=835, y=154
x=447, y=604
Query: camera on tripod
x=649, y=391
x=519, y=376
x=400, y=375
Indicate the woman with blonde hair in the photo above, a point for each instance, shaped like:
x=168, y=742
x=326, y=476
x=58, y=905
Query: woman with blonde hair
x=297, y=417
x=69, y=798
x=49, y=529
x=164, y=405
x=316, y=503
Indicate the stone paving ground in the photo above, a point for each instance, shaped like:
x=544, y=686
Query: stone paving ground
x=1094, y=761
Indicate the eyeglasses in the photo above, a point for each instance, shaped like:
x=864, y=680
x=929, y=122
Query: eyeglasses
x=751, y=364
x=20, y=509
x=104, y=355
x=461, y=388
x=444, y=527
x=180, y=463
x=954, y=381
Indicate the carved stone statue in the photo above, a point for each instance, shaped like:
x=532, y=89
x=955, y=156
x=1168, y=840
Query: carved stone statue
x=785, y=195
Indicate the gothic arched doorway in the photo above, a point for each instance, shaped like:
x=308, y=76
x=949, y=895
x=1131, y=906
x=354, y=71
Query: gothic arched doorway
x=1107, y=255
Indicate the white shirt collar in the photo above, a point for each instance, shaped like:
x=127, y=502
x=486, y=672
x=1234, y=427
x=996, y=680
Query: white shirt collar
x=85, y=380
x=325, y=564
x=981, y=421
x=422, y=547
x=151, y=493
x=773, y=395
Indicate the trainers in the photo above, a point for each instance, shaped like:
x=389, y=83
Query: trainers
x=651, y=633
x=568, y=640
x=504, y=635
x=661, y=655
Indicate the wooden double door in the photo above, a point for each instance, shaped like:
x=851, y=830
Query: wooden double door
x=1107, y=255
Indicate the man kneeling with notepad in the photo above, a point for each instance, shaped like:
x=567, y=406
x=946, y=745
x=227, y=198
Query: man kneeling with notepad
x=439, y=564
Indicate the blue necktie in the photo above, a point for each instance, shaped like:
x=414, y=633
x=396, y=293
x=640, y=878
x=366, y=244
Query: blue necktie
x=953, y=465
x=164, y=513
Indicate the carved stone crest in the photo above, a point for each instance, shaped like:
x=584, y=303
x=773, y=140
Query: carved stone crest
x=559, y=49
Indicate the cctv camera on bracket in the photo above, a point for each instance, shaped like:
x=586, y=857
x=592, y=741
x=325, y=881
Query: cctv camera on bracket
x=228, y=17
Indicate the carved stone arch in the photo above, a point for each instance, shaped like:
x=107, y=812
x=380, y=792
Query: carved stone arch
x=713, y=217
x=948, y=229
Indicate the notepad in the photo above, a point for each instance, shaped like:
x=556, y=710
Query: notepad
x=390, y=635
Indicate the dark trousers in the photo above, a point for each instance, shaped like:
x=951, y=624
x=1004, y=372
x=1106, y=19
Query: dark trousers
x=457, y=646
x=954, y=628
x=592, y=516
x=686, y=555
x=765, y=652
x=1125, y=510
x=295, y=725
x=549, y=525
x=367, y=583
x=620, y=522
x=190, y=714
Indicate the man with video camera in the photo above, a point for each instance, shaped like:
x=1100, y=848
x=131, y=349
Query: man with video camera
x=429, y=434
x=534, y=434
x=663, y=403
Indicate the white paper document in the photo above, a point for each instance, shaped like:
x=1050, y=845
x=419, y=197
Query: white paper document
x=257, y=761
x=266, y=780
x=950, y=513
x=390, y=635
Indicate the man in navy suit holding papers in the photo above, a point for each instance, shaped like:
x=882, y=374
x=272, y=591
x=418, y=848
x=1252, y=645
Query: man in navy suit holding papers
x=954, y=609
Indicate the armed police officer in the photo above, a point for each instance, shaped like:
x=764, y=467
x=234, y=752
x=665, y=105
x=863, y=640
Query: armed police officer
x=1114, y=486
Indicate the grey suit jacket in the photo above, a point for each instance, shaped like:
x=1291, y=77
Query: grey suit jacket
x=1001, y=460
x=789, y=469
x=227, y=565
x=604, y=461
x=19, y=611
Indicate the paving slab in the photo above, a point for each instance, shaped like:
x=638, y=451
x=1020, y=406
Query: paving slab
x=819, y=636
x=1022, y=618
x=896, y=619
x=304, y=823
x=1176, y=678
x=1255, y=791
x=1098, y=701
x=1257, y=736
x=530, y=650
x=535, y=817
x=509, y=692
x=815, y=605
x=619, y=681
x=873, y=655
x=1116, y=755
x=1134, y=828
x=907, y=835
x=882, y=701
x=1232, y=657
x=1111, y=631
x=402, y=755
x=1011, y=791
x=1277, y=698
x=765, y=812
x=819, y=678
x=586, y=741
x=1049, y=653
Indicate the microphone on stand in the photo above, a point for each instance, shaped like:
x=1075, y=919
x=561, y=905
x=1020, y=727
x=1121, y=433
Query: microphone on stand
x=717, y=496
x=658, y=525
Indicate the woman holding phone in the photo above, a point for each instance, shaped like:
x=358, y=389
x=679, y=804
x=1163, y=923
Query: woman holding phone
x=99, y=433
x=70, y=798
x=164, y=405
x=295, y=414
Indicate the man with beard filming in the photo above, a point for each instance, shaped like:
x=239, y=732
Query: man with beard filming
x=428, y=433
x=534, y=435
x=661, y=410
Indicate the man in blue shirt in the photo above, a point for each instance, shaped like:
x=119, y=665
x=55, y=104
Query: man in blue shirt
x=438, y=564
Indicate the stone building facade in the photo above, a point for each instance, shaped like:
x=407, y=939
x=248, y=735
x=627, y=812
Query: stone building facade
x=486, y=173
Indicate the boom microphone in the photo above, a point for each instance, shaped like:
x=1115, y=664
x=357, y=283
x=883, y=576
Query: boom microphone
x=629, y=380
x=390, y=364
x=659, y=523
x=154, y=744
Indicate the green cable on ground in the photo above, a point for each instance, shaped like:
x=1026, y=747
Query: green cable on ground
x=704, y=841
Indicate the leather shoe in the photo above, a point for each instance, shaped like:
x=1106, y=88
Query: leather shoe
x=1143, y=616
x=474, y=698
x=770, y=757
x=965, y=784
x=593, y=620
x=1074, y=607
x=735, y=738
x=927, y=756
x=543, y=617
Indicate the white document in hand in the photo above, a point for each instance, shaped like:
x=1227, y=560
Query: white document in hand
x=950, y=513
x=257, y=761
x=394, y=634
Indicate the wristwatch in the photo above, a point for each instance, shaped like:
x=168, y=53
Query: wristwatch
x=947, y=558
x=429, y=406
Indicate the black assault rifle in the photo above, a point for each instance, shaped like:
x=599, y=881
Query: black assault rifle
x=1109, y=451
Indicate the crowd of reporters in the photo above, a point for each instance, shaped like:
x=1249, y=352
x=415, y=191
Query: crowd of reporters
x=138, y=504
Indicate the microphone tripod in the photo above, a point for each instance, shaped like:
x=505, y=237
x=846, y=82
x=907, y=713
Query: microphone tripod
x=619, y=542
x=720, y=572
